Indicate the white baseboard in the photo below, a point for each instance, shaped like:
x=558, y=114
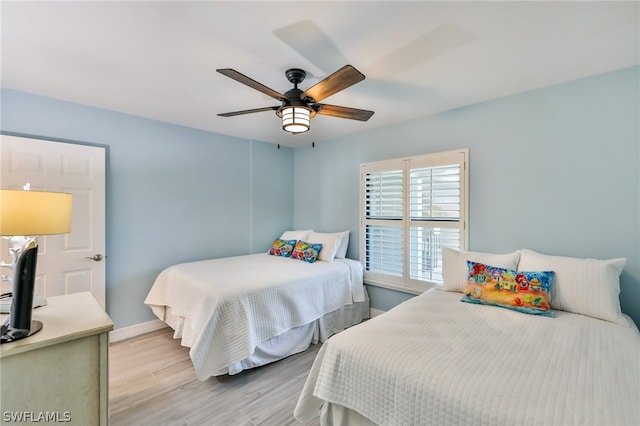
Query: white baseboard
x=373, y=312
x=135, y=330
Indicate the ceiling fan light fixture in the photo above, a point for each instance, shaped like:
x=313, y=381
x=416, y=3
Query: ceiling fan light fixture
x=296, y=119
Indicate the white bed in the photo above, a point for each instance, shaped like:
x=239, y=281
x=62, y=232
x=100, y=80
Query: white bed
x=433, y=360
x=245, y=311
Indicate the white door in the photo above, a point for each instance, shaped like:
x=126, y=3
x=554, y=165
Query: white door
x=72, y=262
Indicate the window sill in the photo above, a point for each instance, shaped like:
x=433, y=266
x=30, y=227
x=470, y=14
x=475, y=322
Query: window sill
x=402, y=288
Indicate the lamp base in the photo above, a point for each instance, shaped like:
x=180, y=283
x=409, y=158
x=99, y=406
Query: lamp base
x=10, y=334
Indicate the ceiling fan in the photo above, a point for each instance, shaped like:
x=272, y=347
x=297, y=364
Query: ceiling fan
x=298, y=107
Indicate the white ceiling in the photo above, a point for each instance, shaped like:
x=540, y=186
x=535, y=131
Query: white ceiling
x=158, y=59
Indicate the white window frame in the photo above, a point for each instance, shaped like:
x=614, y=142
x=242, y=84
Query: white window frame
x=405, y=283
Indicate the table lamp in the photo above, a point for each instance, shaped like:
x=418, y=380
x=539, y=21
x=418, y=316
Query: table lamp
x=23, y=216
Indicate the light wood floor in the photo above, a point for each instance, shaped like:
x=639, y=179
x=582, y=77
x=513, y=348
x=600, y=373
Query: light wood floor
x=152, y=382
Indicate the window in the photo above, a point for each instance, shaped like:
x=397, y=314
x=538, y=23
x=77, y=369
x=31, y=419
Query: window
x=410, y=208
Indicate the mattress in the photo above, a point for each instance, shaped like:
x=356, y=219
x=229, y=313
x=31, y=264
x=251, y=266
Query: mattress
x=225, y=308
x=435, y=361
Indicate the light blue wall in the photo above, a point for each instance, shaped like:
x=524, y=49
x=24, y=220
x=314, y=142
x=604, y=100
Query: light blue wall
x=174, y=194
x=554, y=170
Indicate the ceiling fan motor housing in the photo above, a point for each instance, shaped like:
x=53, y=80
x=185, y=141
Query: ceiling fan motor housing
x=295, y=75
x=294, y=96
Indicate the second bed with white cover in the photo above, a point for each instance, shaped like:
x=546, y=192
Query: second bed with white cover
x=433, y=360
x=241, y=312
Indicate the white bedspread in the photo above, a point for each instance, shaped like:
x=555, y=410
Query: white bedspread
x=435, y=361
x=233, y=304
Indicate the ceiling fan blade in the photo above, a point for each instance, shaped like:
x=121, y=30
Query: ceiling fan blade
x=339, y=80
x=231, y=73
x=306, y=38
x=343, y=112
x=428, y=46
x=248, y=111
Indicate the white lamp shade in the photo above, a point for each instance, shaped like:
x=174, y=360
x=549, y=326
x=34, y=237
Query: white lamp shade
x=296, y=119
x=26, y=213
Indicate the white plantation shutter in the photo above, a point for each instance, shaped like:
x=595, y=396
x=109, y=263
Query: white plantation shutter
x=384, y=196
x=385, y=250
x=435, y=193
x=425, y=251
x=434, y=213
x=411, y=208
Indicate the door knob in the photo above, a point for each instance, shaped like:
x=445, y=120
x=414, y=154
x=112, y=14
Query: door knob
x=96, y=257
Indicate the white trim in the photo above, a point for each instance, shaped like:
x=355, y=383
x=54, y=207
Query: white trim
x=373, y=312
x=135, y=330
x=420, y=288
x=250, y=195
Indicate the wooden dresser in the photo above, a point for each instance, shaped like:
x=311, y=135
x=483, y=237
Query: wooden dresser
x=60, y=374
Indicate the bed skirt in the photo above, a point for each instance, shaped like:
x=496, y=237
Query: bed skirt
x=337, y=415
x=291, y=342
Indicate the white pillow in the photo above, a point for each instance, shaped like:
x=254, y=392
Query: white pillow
x=344, y=244
x=583, y=286
x=455, y=270
x=296, y=235
x=330, y=244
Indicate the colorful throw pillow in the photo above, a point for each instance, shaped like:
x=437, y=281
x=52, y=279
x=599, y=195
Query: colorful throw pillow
x=306, y=251
x=282, y=248
x=528, y=292
x=454, y=265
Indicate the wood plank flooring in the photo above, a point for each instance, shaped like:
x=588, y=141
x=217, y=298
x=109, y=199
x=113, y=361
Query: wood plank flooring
x=152, y=382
